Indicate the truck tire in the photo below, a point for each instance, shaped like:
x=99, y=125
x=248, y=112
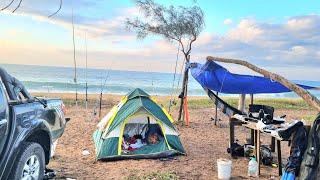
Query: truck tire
x=30, y=163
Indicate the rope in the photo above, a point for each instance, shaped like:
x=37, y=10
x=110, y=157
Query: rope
x=225, y=74
x=181, y=71
x=272, y=78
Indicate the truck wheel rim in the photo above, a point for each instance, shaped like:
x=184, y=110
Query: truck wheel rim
x=31, y=168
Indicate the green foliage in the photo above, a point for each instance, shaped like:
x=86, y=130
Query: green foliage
x=309, y=118
x=180, y=24
x=281, y=103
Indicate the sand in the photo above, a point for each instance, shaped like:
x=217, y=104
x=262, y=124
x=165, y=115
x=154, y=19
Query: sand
x=203, y=141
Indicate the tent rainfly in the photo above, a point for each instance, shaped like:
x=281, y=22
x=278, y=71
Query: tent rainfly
x=137, y=113
x=217, y=78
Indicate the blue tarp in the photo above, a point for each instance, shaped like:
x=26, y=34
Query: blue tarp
x=216, y=78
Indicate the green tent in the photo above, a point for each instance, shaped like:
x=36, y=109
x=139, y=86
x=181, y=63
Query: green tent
x=137, y=113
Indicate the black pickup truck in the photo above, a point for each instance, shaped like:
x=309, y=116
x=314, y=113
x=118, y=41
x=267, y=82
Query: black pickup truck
x=29, y=129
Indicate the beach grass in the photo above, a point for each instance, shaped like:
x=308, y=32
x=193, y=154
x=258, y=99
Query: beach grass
x=155, y=175
x=193, y=102
x=279, y=103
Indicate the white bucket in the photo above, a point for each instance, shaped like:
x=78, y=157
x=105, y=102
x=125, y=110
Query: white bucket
x=224, y=168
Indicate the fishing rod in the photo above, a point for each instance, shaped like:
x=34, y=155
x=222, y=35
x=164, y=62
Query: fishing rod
x=99, y=100
x=102, y=88
x=74, y=60
x=86, y=73
x=174, y=79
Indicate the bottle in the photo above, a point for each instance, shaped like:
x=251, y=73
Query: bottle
x=253, y=167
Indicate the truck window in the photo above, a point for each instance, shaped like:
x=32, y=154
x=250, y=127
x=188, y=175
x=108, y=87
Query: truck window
x=3, y=102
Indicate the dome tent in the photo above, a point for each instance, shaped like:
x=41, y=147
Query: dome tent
x=136, y=113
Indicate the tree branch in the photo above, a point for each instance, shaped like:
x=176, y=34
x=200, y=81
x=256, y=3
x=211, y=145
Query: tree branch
x=60, y=6
x=17, y=6
x=7, y=5
x=190, y=44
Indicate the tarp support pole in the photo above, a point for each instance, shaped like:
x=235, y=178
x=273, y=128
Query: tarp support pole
x=252, y=131
x=241, y=105
x=216, y=116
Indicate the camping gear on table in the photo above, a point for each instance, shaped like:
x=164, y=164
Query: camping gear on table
x=224, y=168
x=136, y=121
x=253, y=168
x=261, y=112
x=310, y=162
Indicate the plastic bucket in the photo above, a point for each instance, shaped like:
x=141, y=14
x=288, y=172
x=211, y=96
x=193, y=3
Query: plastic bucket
x=224, y=168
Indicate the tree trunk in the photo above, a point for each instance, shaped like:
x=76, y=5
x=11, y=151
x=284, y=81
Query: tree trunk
x=304, y=94
x=184, y=88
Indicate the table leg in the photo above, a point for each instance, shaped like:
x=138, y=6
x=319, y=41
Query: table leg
x=273, y=144
x=252, y=137
x=231, y=135
x=255, y=143
x=279, y=157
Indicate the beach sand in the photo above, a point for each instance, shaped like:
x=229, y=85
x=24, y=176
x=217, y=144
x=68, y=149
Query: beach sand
x=204, y=143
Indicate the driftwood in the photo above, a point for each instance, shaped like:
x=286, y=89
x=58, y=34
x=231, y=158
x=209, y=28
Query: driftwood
x=304, y=94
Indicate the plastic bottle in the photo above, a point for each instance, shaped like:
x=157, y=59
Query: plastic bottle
x=253, y=168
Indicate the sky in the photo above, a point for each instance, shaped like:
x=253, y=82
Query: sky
x=281, y=36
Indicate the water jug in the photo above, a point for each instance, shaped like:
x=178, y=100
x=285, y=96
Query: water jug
x=253, y=168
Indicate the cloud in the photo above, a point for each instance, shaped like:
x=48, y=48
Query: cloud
x=299, y=50
x=227, y=21
x=90, y=17
x=246, y=31
x=293, y=44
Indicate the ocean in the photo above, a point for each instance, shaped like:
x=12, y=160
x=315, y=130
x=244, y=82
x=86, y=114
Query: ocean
x=60, y=80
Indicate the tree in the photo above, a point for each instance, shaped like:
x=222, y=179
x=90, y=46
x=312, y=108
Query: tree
x=175, y=24
x=19, y=3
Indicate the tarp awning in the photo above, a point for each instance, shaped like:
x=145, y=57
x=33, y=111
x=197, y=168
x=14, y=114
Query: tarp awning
x=217, y=78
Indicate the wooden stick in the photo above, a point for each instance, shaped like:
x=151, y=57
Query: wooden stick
x=304, y=94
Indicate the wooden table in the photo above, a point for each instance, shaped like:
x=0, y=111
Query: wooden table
x=239, y=120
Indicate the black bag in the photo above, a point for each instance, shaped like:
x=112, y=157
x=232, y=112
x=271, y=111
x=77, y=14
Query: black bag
x=236, y=150
x=298, y=147
x=310, y=162
x=266, y=156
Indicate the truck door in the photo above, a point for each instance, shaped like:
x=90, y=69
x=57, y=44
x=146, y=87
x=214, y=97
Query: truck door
x=4, y=123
